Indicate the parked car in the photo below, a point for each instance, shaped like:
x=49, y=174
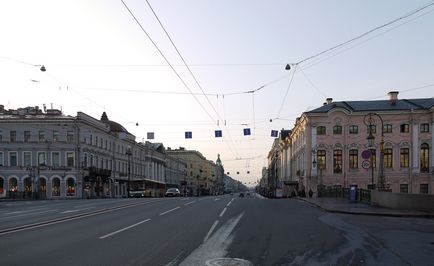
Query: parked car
x=173, y=192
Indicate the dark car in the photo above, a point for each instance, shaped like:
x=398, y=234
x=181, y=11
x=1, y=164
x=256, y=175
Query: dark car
x=173, y=192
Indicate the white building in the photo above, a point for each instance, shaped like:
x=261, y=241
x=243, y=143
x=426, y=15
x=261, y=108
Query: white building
x=45, y=154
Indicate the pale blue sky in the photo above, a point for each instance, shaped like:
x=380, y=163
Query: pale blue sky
x=98, y=58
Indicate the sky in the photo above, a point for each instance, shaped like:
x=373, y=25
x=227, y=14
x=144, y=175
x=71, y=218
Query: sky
x=98, y=58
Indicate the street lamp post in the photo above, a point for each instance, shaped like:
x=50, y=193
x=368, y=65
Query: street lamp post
x=129, y=153
x=369, y=120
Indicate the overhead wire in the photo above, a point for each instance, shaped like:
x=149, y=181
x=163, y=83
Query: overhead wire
x=166, y=59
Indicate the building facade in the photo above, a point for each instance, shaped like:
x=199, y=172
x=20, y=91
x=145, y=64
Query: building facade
x=202, y=175
x=329, y=146
x=45, y=154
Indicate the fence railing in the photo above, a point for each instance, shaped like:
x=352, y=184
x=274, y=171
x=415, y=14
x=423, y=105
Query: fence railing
x=362, y=195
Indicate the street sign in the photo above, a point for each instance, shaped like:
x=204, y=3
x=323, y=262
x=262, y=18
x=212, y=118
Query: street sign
x=366, y=164
x=366, y=154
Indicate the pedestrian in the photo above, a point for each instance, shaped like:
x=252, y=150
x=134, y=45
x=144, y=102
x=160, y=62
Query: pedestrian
x=310, y=193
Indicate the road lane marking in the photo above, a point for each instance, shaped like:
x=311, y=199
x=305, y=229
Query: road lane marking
x=124, y=229
x=216, y=199
x=26, y=214
x=215, y=246
x=188, y=203
x=210, y=231
x=77, y=210
x=68, y=218
x=185, y=199
x=229, y=203
x=223, y=212
x=166, y=212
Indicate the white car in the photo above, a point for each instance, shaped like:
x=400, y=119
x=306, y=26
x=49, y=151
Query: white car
x=173, y=192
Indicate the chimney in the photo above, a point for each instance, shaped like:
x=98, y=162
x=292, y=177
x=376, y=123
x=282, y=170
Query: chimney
x=393, y=97
x=329, y=100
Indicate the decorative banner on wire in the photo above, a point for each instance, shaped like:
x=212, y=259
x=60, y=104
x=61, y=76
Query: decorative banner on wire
x=246, y=131
x=218, y=133
x=151, y=135
x=188, y=135
x=274, y=133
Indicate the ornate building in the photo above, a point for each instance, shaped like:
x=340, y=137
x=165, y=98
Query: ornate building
x=329, y=146
x=45, y=154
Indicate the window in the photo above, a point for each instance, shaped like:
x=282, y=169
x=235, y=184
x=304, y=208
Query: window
x=424, y=158
x=1, y=136
x=337, y=130
x=55, y=135
x=405, y=158
x=321, y=158
x=42, y=158
x=70, y=136
x=55, y=187
x=405, y=128
x=403, y=188
x=424, y=128
x=354, y=129
x=1, y=159
x=423, y=189
x=101, y=142
x=321, y=130
x=96, y=140
x=13, y=136
x=372, y=129
x=85, y=160
x=55, y=159
x=42, y=136
x=27, y=158
x=70, y=187
x=13, y=160
x=26, y=136
x=337, y=161
x=388, y=158
x=387, y=128
x=354, y=159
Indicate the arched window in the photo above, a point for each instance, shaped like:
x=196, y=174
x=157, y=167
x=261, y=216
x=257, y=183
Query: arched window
x=28, y=184
x=388, y=158
x=55, y=190
x=2, y=183
x=354, y=159
x=13, y=184
x=70, y=187
x=424, y=158
x=337, y=161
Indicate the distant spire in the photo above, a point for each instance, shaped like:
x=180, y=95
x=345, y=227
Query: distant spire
x=104, y=117
x=218, y=159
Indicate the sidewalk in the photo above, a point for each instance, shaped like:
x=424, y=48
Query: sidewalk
x=342, y=205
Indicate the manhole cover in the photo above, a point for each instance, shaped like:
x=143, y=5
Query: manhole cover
x=228, y=262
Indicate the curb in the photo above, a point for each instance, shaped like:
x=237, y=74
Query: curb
x=396, y=214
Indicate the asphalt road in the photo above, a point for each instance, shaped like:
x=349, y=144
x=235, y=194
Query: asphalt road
x=223, y=230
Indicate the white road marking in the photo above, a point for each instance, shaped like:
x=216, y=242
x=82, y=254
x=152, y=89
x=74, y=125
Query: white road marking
x=210, y=231
x=216, y=199
x=229, y=203
x=123, y=229
x=26, y=214
x=223, y=212
x=185, y=199
x=188, y=203
x=166, y=212
x=215, y=246
x=77, y=210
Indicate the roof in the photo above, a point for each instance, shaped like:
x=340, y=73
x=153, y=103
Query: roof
x=380, y=105
x=114, y=127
